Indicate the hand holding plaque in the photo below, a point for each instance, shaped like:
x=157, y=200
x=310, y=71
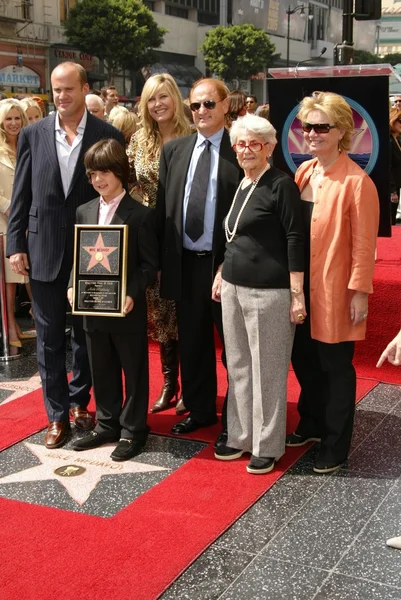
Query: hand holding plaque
x=100, y=270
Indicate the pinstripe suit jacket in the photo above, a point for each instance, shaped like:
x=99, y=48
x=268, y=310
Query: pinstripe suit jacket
x=38, y=203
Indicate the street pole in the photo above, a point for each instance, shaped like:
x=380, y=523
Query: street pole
x=344, y=52
x=288, y=35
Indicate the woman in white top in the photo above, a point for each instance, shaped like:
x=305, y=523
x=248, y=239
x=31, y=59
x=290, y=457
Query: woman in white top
x=12, y=119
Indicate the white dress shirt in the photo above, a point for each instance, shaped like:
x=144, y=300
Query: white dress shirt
x=206, y=239
x=68, y=154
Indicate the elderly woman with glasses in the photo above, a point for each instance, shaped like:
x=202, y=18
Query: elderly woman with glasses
x=260, y=284
x=340, y=209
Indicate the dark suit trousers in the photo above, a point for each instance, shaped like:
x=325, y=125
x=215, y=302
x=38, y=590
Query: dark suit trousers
x=108, y=354
x=328, y=390
x=197, y=314
x=49, y=308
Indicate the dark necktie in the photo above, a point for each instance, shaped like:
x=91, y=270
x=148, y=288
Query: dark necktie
x=194, y=223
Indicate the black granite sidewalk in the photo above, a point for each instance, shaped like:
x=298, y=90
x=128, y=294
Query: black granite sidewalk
x=317, y=537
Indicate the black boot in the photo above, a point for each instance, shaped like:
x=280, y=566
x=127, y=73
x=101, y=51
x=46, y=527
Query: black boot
x=171, y=387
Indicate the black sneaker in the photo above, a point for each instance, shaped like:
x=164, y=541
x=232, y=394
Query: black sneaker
x=293, y=440
x=324, y=467
x=227, y=453
x=259, y=465
x=221, y=440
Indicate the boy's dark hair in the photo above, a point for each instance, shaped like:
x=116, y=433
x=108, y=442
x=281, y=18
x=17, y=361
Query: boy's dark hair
x=108, y=155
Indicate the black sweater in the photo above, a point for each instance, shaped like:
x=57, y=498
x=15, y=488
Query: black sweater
x=269, y=242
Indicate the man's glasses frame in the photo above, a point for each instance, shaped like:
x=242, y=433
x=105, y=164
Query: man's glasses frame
x=253, y=146
x=317, y=127
x=209, y=104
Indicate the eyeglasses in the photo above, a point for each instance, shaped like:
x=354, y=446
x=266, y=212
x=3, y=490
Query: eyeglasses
x=395, y=101
x=253, y=146
x=317, y=127
x=209, y=104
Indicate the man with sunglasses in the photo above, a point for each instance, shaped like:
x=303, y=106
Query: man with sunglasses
x=251, y=104
x=198, y=177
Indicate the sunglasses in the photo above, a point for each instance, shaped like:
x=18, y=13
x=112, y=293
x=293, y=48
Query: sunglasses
x=209, y=104
x=317, y=127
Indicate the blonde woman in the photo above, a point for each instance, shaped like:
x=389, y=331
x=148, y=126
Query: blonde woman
x=32, y=110
x=340, y=209
x=162, y=119
x=12, y=119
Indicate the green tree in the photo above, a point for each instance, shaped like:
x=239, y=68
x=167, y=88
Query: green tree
x=121, y=32
x=392, y=59
x=238, y=51
x=363, y=57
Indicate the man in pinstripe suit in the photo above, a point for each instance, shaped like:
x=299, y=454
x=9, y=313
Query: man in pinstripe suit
x=50, y=183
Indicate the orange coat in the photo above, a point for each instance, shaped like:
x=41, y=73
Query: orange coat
x=344, y=227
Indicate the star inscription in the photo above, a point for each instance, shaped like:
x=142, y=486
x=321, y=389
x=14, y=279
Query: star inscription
x=95, y=462
x=99, y=254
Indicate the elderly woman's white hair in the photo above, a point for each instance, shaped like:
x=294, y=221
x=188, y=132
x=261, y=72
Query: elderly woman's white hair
x=259, y=126
x=96, y=98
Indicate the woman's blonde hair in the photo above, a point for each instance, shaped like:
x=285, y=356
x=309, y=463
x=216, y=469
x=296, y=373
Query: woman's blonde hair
x=149, y=136
x=29, y=103
x=337, y=110
x=5, y=107
x=395, y=114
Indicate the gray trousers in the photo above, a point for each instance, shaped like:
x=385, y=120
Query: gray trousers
x=258, y=336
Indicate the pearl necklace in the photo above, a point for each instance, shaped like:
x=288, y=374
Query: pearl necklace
x=230, y=235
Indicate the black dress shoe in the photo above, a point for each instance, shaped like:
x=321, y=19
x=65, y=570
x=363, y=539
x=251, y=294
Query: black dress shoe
x=126, y=449
x=94, y=439
x=190, y=424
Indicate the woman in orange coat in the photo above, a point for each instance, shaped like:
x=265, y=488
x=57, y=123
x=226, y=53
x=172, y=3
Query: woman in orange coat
x=341, y=212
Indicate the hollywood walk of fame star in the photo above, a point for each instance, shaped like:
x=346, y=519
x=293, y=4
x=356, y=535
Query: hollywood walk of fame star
x=99, y=254
x=20, y=387
x=95, y=462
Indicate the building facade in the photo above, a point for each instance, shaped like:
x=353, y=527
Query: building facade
x=32, y=42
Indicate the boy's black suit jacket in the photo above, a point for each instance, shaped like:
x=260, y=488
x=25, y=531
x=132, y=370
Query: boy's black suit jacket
x=142, y=261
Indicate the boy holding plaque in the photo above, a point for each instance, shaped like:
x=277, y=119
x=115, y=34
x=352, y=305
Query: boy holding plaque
x=118, y=344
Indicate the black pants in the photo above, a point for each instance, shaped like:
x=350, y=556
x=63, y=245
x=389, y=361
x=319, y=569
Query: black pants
x=197, y=314
x=328, y=391
x=110, y=354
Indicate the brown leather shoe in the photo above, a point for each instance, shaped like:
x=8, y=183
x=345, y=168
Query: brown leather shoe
x=81, y=418
x=57, y=434
x=180, y=408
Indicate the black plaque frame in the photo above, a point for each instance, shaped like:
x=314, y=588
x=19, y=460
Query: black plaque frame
x=100, y=270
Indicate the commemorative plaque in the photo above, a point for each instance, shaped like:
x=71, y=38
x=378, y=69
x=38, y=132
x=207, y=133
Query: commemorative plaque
x=100, y=270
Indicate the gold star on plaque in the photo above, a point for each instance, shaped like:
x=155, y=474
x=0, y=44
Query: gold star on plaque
x=99, y=254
